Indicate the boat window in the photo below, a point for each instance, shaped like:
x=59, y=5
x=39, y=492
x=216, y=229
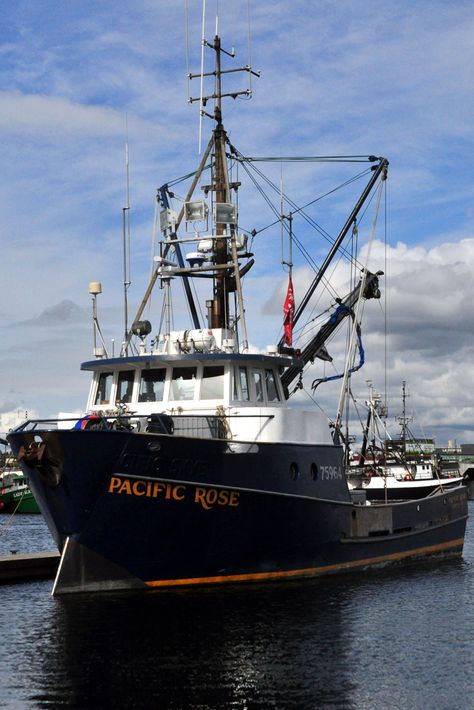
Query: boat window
x=125, y=386
x=152, y=385
x=212, y=386
x=272, y=391
x=183, y=383
x=241, y=384
x=257, y=380
x=104, y=388
x=244, y=384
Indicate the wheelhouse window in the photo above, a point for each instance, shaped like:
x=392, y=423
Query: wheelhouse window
x=183, y=383
x=241, y=384
x=152, y=385
x=104, y=388
x=244, y=384
x=125, y=386
x=212, y=385
x=271, y=385
x=258, y=384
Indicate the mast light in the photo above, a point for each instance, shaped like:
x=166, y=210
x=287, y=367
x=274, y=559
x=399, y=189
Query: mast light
x=225, y=213
x=168, y=219
x=196, y=211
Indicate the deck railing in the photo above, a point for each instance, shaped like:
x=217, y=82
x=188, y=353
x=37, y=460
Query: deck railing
x=200, y=426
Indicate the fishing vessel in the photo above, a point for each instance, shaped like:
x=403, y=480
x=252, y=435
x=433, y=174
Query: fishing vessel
x=15, y=494
x=190, y=466
x=403, y=468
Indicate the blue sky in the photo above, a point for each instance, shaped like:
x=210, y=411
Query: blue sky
x=392, y=79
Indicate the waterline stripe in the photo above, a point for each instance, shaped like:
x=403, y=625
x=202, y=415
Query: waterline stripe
x=305, y=572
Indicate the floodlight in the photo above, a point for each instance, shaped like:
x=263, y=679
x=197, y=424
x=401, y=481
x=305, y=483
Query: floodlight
x=168, y=219
x=195, y=211
x=225, y=213
x=241, y=242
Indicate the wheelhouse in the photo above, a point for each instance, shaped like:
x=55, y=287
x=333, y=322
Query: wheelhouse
x=147, y=383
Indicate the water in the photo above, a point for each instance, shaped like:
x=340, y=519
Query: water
x=393, y=639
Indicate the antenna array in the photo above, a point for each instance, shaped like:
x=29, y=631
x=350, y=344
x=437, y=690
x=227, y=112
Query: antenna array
x=217, y=94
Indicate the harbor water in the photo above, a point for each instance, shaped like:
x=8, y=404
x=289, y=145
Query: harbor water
x=398, y=638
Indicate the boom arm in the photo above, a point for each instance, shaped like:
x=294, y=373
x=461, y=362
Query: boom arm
x=316, y=346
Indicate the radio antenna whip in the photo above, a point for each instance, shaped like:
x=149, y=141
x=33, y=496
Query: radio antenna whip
x=203, y=44
x=126, y=244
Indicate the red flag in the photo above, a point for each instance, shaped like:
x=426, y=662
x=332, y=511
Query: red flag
x=288, y=313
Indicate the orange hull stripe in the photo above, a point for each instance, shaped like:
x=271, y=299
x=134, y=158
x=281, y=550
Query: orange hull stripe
x=307, y=571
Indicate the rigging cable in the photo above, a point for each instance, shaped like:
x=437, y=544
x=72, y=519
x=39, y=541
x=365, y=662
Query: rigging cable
x=308, y=219
x=385, y=298
x=358, y=308
x=298, y=243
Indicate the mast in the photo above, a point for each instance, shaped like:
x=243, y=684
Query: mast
x=403, y=419
x=220, y=305
x=225, y=267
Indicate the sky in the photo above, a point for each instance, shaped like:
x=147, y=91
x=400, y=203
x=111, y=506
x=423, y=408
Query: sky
x=378, y=78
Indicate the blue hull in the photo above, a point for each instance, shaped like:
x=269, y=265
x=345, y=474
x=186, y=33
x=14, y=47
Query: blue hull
x=147, y=510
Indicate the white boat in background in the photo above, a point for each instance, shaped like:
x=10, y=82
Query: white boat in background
x=396, y=469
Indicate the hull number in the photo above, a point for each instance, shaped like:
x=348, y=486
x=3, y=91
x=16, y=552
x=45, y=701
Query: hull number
x=330, y=473
x=207, y=498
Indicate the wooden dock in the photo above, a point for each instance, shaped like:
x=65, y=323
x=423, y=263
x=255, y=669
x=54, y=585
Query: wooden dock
x=27, y=566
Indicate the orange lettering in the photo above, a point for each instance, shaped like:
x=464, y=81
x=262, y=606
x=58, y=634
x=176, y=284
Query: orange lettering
x=211, y=496
x=200, y=497
x=114, y=483
x=126, y=487
x=135, y=490
x=176, y=495
x=157, y=487
x=223, y=498
x=234, y=499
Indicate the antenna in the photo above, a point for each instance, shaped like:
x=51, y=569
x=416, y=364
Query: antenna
x=201, y=93
x=217, y=73
x=126, y=243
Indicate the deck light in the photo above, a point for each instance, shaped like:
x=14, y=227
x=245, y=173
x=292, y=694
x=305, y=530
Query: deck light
x=225, y=213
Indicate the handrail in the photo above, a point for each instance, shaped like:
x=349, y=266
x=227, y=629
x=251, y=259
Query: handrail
x=32, y=423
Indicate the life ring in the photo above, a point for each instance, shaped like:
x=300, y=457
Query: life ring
x=90, y=421
x=407, y=477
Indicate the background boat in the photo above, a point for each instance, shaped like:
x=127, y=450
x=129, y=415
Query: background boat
x=404, y=468
x=15, y=493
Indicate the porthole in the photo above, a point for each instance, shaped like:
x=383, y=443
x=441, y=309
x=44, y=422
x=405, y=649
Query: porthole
x=154, y=445
x=314, y=472
x=294, y=471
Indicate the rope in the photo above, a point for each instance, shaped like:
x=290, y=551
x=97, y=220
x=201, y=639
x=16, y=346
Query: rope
x=10, y=520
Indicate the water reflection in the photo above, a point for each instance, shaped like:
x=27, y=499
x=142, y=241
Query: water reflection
x=232, y=648
x=389, y=639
